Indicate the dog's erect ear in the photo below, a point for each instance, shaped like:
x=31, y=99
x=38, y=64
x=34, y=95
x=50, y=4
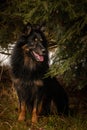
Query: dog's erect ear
x=27, y=29
x=43, y=26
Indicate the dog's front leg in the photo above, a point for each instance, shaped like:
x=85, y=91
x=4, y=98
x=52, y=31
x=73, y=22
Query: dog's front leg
x=34, y=112
x=22, y=111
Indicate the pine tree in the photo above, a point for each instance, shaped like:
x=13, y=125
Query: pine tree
x=66, y=27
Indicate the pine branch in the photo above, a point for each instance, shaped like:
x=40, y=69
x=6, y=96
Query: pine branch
x=5, y=53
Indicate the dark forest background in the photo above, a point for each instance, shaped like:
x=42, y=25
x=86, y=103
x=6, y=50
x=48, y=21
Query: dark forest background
x=65, y=26
x=64, y=23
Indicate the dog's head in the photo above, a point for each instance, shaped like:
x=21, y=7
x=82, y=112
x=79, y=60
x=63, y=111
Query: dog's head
x=35, y=45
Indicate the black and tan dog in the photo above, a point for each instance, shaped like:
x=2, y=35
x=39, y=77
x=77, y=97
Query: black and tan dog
x=29, y=64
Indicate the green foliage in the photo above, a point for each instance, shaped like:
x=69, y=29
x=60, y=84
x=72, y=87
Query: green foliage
x=66, y=23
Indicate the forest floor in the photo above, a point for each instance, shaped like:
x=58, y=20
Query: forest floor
x=77, y=120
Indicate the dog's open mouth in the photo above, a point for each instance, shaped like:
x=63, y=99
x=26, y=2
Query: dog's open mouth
x=38, y=57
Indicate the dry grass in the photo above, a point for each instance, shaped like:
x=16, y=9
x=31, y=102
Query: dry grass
x=8, y=113
x=8, y=119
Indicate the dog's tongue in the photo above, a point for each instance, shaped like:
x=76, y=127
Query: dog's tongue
x=38, y=57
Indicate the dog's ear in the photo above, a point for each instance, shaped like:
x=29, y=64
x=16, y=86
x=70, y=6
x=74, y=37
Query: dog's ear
x=40, y=26
x=27, y=29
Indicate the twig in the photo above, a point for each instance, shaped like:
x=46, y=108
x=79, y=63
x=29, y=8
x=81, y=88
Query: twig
x=7, y=123
x=3, y=112
x=5, y=53
x=1, y=73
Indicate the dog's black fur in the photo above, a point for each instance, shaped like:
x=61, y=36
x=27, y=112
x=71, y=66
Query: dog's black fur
x=29, y=64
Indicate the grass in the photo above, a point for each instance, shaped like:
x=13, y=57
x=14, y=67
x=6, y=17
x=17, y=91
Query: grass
x=8, y=118
x=9, y=114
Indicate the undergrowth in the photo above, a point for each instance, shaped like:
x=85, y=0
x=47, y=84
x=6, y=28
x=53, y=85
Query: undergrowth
x=8, y=118
x=9, y=113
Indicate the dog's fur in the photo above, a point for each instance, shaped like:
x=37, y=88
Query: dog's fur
x=29, y=64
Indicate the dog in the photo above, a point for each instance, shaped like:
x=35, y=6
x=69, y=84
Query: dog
x=29, y=64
